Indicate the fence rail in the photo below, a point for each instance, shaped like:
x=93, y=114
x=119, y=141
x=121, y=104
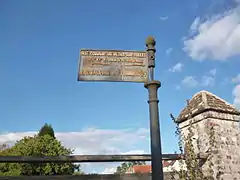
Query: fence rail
x=84, y=158
x=88, y=158
x=167, y=176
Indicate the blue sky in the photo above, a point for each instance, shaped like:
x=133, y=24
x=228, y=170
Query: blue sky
x=197, y=48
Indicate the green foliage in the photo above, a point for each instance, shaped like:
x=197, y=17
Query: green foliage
x=193, y=164
x=182, y=173
x=122, y=169
x=46, y=129
x=37, y=146
x=78, y=173
x=3, y=146
x=191, y=159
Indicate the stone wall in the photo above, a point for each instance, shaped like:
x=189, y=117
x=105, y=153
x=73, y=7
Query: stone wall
x=225, y=154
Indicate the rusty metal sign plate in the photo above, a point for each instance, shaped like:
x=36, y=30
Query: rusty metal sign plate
x=113, y=65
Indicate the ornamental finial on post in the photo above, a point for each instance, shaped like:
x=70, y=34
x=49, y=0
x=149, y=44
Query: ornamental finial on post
x=150, y=41
x=150, y=44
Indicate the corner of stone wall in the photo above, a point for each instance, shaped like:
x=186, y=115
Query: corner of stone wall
x=225, y=154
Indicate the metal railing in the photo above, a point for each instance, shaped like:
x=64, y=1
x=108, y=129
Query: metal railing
x=85, y=158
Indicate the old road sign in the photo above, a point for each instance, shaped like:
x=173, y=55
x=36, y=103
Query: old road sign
x=113, y=65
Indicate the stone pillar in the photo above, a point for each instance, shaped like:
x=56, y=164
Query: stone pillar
x=210, y=114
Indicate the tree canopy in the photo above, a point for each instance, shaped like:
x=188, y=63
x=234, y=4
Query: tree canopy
x=38, y=145
x=46, y=129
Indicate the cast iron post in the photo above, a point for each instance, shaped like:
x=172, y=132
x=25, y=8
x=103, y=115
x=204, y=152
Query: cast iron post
x=152, y=87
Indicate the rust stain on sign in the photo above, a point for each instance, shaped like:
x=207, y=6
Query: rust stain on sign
x=113, y=65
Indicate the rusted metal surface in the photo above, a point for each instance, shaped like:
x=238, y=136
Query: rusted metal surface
x=113, y=65
x=85, y=158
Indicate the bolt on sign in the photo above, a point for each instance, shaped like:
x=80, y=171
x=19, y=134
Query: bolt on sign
x=113, y=65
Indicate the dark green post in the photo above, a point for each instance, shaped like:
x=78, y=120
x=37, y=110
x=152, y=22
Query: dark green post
x=152, y=87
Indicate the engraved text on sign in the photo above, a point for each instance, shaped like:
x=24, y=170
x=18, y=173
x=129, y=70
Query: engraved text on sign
x=113, y=65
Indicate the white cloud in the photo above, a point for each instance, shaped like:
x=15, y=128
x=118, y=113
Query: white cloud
x=236, y=79
x=169, y=51
x=195, y=24
x=213, y=72
x=94, y=141
x=109, y=171
x=216, y=38
x=176, y=68
x=163, y=18
x=11, y=138
x=209, y=79
x=236, y=94
x=205, y=81
x=190, y=81
x=138, y=151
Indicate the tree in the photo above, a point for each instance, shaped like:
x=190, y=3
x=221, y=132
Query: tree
x=3, y=146
x=37, y=146
x=46, y=129
x=122, y=169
